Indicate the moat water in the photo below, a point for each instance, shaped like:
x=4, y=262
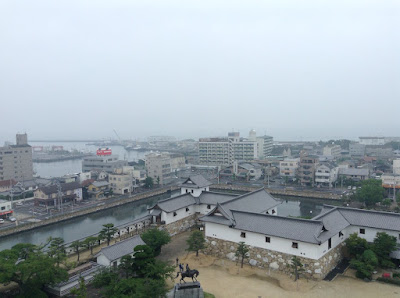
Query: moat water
x=85, y=226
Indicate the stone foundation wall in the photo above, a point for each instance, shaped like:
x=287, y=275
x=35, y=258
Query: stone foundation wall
x=270, y=259
x=181, y=225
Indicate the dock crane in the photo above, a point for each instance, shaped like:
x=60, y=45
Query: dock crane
x=119, y=138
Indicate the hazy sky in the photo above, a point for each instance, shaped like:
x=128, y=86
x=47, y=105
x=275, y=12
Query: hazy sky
x=293, y=69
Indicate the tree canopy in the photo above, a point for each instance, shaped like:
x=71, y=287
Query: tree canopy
x=155, y=239
x=29, y=267
x=196, y=242
x=144, y=276
x=108, y=232
x=371, y=192
x=148, y=182
x=242, y=252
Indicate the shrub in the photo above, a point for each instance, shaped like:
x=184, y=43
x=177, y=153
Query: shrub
x=389, y=280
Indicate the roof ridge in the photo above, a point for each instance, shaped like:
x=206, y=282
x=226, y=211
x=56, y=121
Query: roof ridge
x=246, y=194
x=279, y=216
x=120, y=242
x=167, y=199
x=322, y=214
x=363, y=210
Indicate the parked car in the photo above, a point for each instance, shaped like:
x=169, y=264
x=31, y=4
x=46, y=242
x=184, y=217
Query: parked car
x=349, y=187
x=1, y=220
x=19, y=203
x=354, y=187
x=12, y=219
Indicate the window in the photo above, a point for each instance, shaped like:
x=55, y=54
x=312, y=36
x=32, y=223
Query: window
x=187, y=209
x=295, y=245
x=243, y=234
x=330, y=243
x=362, y=231
x=273, y=211
x=2, y=208
x=208, y=206
x=174, y=213
x=268, y=239
x=340, y=234
x=192, y=190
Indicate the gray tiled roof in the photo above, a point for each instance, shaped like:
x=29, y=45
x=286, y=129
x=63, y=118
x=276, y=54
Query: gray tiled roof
x=257, y=201
x=198, y=181
x=283, y=227
x=213, y=198
x=122, y=248
x=64, y=187
x=175, y=203
x=333, y=222
x=352, y=171
x=100, y=183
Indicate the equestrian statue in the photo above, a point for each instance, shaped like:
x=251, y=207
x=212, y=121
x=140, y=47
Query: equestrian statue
x=188, y=273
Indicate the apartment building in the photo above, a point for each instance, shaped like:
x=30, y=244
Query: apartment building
x=16, y=160
x=332, y=150
x=106, y=163
x=224, y=151
x=158, y=166
x=307, y=167
x=120, y=183
x=326, y=174
x=288, y=167
x=357, y=149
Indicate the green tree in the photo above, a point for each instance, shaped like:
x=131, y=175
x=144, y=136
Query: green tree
x=297, y=267
x=155, y=239
x=30, y=268
x=356, y=245
x=365, y=264
x=148, y=182
x=89, y=243
x=242, y=252
x=371, y=192
x=80, y=292
x=76, y=245
x=108, y=232
x=383, y=245
x=158, y=180
x=387, y=202
x=196, y=242
x=57, y=250
x=149, y=276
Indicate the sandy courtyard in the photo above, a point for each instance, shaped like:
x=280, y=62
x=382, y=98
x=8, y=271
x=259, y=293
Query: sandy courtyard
x=225, y=279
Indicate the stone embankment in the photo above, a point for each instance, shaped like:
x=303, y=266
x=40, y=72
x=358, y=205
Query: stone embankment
x=281, y=192
x=273, y=260
x=64, y=217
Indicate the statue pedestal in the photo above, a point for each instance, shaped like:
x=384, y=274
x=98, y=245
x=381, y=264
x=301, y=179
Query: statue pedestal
x=188, y=290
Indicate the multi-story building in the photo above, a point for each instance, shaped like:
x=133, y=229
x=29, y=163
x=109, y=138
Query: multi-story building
x=354, y=174
x=158, y=167
x=326, y=175
x=396, y=166
x=177, y=162
x=5, y=209
x=307, y=166
x=356, y=149
x=288, y=168
x=332, y=150
x=372, y=141
x=106, y=163
x=224, y=151
x=16, y=160
x=265, y=144
x=120, y=183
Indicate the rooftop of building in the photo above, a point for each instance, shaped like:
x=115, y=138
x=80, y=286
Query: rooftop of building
x=122, y=248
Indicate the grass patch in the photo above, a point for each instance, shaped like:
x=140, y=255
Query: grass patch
x=208, y=295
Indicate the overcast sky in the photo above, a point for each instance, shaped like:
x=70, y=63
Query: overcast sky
x=296, y=70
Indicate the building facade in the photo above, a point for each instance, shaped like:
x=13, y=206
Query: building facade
x=288, y=168
x=121, y=183
x=332, y=150
x=224, y=151
x=158, y=166
x=307, y=167
x=372, y=141
x=99, y=163
x=16, y=160
x=49, y=196
x=356, y=149
x=326, y=174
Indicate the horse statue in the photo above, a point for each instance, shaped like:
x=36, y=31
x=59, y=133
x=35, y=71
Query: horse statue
x=190, y=273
